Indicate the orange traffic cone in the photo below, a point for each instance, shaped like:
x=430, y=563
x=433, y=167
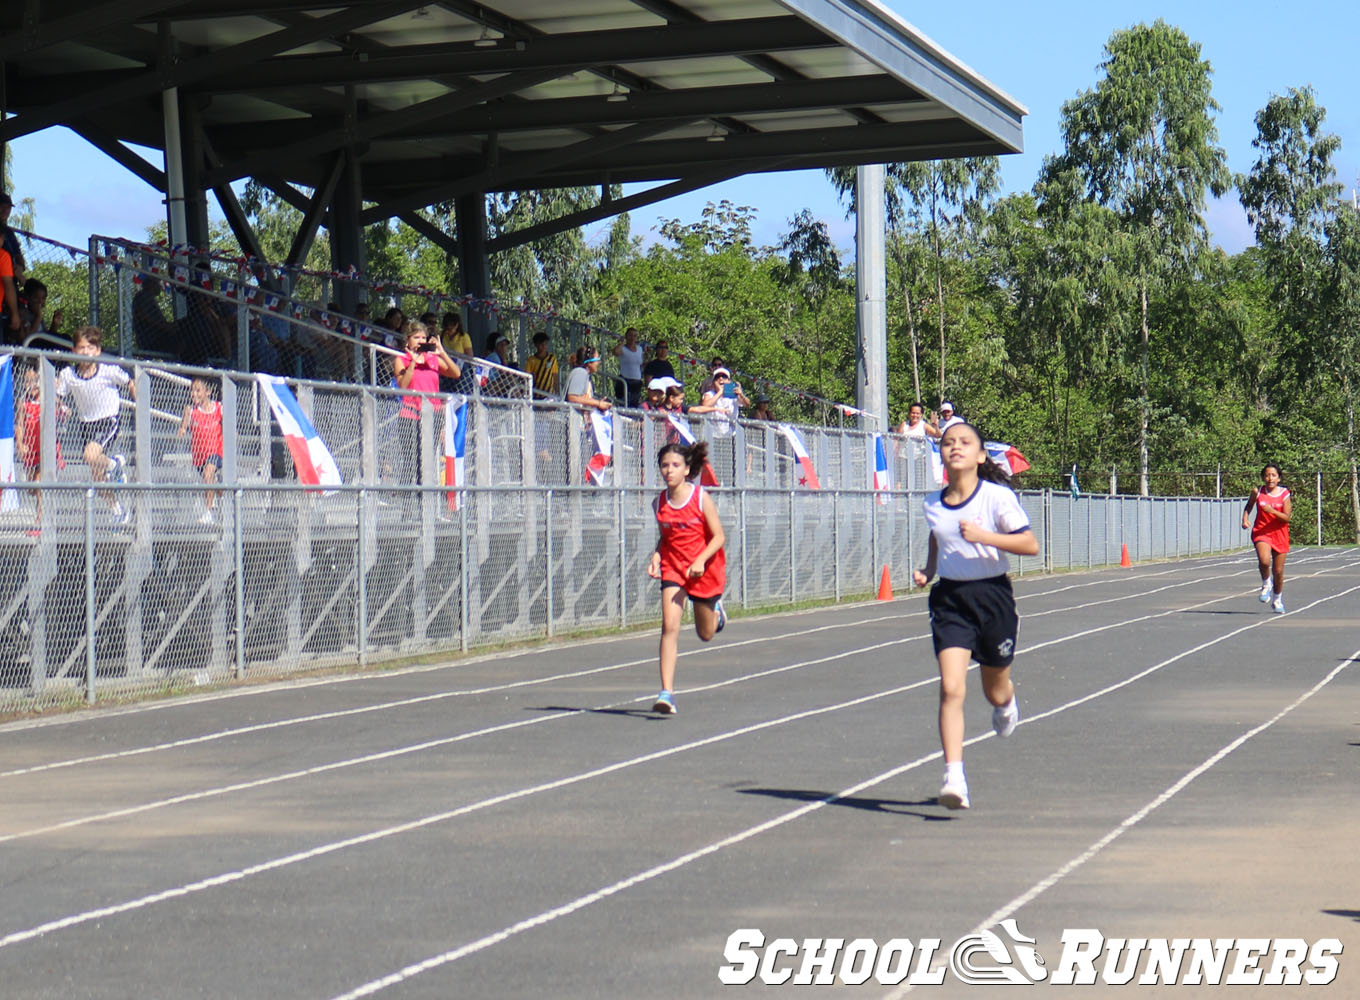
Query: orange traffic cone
x=1124, y=556
x=885, y=585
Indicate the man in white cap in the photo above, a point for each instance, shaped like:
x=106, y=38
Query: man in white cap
x=656, y=392
x=947, y=417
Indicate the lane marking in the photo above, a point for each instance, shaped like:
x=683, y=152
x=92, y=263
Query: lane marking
x=527, y=682
x=373, y=836
x=547, y=916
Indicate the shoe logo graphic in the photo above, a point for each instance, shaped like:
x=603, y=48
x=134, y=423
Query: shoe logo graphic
x=1005, y=648
x=1002, y=969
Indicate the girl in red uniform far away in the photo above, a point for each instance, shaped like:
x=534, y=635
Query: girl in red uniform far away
x=688, y=560
x=974, y=522
x=1270, y=534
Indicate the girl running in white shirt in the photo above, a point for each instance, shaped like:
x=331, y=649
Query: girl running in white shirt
x=974, y=521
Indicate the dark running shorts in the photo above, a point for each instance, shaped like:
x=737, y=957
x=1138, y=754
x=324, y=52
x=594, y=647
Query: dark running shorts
x=978, y=615
x=101, y=432
x=214, y=460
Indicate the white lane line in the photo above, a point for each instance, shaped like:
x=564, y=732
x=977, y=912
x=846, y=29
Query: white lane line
x=277, y=863
x=547, y=916
x=529, y=682
x=424, y=821
x=1044, y=884
x=219, y=791
x=286, y=685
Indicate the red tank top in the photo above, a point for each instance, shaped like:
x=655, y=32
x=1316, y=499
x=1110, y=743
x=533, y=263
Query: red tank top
x=684, y=535
x=205, y=432
x=1267, y=528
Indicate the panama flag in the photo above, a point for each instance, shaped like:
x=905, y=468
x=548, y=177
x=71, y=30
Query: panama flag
x=10, y=499
x=807, y=475
x=707, y=476
x=311, y=458
x=603, y=429
x=1008, y=457
x=455, y=448
x=936, y=463
x=882, y=478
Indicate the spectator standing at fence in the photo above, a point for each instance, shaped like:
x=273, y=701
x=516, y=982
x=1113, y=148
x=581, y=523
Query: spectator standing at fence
x=1270, y=534
x=974, y=521
x=947, y=418
x=542, y=368
x=28, y=432
x=579, y=389
x=453, y=336
x=762, y=408
x=202, y=335
x=656, y=393
x=34, y=301
x=97, y=391
x=688, y=560
x=419, y=369
x=9, y=239
x=203, y=422
x=659, y=366
x=629, y=353
x=11, y=313
x=915, y=425
x=150, y=328
x=726, y=398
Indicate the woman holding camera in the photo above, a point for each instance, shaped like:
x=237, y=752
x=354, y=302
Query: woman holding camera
x=419, y=370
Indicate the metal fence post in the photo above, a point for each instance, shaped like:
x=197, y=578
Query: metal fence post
x=793, y=554
x=623, y=560
x=745, y=555
x=463, y=565
x=873, y=541
x=361, y=578
x=1048, y=531
x=238, y=547
x=89, y=597
x=548, y=552
x=836, y=539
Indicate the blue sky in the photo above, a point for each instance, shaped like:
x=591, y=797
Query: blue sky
x=1041, y=54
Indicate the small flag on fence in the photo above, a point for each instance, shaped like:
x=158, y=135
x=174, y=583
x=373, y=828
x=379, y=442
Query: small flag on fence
x=807, y=475
x=936, y=463
x=707, y=475
x=1008, y=457
x=312, y=459
x=455, y=448
x=603, y=429
x=882, y=478
x=9, y=500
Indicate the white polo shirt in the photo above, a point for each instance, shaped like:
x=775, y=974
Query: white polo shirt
x=995, y=508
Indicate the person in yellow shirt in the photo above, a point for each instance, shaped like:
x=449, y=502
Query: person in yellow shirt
x=542, y=366
x=454, y=337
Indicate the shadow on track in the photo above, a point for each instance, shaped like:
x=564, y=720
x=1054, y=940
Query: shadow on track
x=898, y=807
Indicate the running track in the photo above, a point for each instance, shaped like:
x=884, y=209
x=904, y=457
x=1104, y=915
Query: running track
x=519, y=825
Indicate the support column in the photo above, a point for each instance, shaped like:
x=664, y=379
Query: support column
x=474, y=271
x=871, y=313
x=347, y=234
x=194, y=163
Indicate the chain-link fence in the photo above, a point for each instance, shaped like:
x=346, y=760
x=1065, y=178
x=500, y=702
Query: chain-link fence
x=114, y=590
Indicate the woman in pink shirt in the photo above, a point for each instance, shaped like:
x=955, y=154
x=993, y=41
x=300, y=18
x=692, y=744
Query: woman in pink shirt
x=419, y=370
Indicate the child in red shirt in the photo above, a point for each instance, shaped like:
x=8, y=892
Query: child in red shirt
x=203, y=417
x=689, y=559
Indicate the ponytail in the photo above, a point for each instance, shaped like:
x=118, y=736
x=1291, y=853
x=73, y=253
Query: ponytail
x=695, y=455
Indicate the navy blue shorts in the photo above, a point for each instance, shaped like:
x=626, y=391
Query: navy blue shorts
x=977, y=615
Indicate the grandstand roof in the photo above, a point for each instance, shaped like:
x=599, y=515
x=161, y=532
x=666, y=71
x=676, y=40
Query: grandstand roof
x=445, y=99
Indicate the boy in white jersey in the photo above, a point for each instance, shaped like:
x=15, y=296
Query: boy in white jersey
x=97, y=391
x=974, y=521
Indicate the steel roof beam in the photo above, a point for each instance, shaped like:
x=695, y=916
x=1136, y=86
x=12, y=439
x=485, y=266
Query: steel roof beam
x=30, y=33
x=119, y=153
x=232, y=58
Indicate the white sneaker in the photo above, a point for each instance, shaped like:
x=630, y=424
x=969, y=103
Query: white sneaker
x=118, y=469
x=1278, y=606
x=1005, y=717
x=1267, y=592
x=206, y=517
x=954, y=792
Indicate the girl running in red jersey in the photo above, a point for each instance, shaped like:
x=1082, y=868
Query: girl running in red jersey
x=974, y=521
x=1270, y=534
x=689, y=559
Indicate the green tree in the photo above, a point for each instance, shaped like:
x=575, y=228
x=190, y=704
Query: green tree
x=1144, y=143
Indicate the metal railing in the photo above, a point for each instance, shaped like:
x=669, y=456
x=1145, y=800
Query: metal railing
x=283, y=578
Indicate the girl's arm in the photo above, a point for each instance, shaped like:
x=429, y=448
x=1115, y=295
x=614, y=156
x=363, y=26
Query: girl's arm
x=1283, y=513
x=404, y=372
x=188, y=416
x=922, y=576
x=447, y=366
x=1021, y=543
x=1251, y=502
